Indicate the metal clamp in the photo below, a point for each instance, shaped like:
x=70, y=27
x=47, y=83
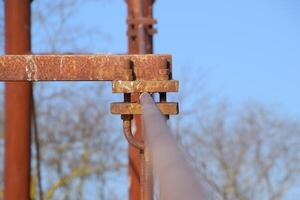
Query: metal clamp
x=146, y=22
x=127, y=108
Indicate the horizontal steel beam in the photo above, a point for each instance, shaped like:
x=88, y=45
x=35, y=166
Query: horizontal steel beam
x=84, y=67
x=170, y=108
x=144, y=86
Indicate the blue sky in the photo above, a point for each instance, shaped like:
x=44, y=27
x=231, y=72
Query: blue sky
x=248, y=50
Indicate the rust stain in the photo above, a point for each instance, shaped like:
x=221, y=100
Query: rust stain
x=30, y=68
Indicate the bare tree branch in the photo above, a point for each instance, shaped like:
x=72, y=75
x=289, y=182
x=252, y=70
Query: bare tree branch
x=248, y=155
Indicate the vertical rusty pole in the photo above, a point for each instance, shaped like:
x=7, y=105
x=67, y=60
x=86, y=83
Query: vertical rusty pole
x=17, y=105
x=140, y=41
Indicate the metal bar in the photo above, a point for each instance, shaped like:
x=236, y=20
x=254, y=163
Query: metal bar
x=137, y=21
x=128, y=133
x=17, y=154
x=144, y=86
x=140, y=40
x=120, y=108
x=82, y=67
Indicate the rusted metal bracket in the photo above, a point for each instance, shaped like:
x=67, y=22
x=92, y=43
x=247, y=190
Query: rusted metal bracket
x=144, y=86
x=135, y=108
x=130, y=74
x=146, y=22
x=161, y=84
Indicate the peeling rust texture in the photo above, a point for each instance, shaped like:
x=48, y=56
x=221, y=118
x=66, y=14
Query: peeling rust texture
x=170, y=108
x=152, y=68
x=144, y=86
x=83, y=67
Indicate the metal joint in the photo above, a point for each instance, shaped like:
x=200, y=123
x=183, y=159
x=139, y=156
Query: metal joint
x=152, y=79
x=146, y=22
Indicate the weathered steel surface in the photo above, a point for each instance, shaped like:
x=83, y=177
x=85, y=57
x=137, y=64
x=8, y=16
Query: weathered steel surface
x=17, y=100
x=159, y=70
x=140, y=40
x=144, y=86
x=170, y=108
x=81, y=67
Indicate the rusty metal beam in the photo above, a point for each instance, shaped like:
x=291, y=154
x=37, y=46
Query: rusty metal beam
x=170, y=108
x=17, y=140
x=144, y=86
x=140, y=40
x=84, y=67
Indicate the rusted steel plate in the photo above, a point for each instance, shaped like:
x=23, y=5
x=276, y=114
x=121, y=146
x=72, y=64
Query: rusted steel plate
x=142, y=20
x=160, y=69
x=170, y=108
x=144, y=86
x=78, y=67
